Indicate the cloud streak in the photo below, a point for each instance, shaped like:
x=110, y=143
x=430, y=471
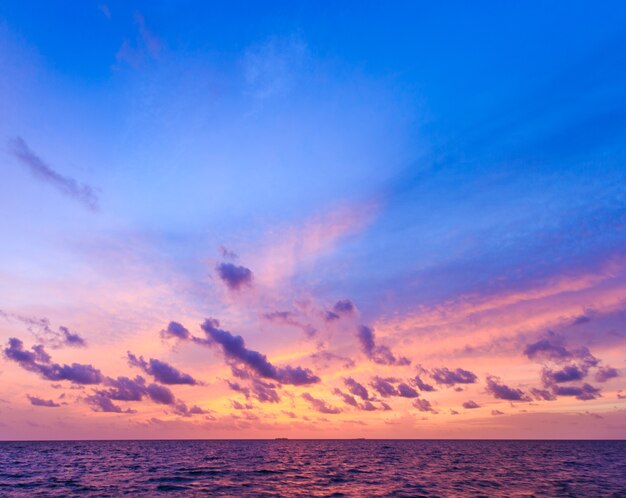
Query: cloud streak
x=82, y=193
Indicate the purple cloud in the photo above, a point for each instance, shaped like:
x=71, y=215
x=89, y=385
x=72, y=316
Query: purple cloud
x=357, y=389
x=234, y=348
x=421, y=385
x=102, y=403
x=235, y=277
x=72, y=338
x=175, y=329
x=38, y=361
x=423, y=405
x=604, y=374
x=449, y=377
x=384, y=387
x=378, y=354
x=502, y=391
x=161, y=371
x=585, y=392
x=84, y=194
x=407, y=391
x=568, y=373
x=321, y=405
x=48, y=403
x=470, y=405
x=347, y=398
x=542, y=394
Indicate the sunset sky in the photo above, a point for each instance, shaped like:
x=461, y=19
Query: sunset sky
x=312, y=220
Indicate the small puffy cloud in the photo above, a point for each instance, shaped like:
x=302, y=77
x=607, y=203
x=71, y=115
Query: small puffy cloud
x=449, y=377
x=604, y=374
x=542, y=394
x=585, y=392
x=72, y=338
x=356, y=388
x=176, y=330
x=502, y=391
x=406, y=391
x=423, y=405
x=470, y=405
x=235, y=277
x=421, y=385
x=321, y=405
x=384, y=387
x=48, y=403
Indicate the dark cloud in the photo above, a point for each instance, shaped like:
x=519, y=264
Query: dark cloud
x=48, y=403
x=585, y=392
x=357, y=389
x=125, y=389
x=421, y=385
x=502, y=391
x=161, y=371
x=102, y=403
x=38, y=361
x=604, y=374
x=235, y=277
x=407, y=391
x=449, y=377
x=82, y=193
x=568, y=373
x=234, y=348
x=321, y=405
x=175, y=329
x=160, y=394
x=471, y=405
x=552, y=348
x=423, y=405
x=378, y=354
x=384, y=387
x=265, y=392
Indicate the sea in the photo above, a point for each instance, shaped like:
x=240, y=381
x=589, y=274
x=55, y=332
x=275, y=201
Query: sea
x=311, y=468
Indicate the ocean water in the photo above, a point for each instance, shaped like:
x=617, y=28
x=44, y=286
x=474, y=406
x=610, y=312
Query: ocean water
x=313, y=468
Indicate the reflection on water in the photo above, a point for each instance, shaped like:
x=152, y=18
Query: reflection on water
x=314, y=468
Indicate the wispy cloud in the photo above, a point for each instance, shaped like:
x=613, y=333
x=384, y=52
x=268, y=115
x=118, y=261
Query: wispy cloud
x=68, y=186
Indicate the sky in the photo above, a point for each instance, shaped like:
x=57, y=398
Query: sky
x=312, y=219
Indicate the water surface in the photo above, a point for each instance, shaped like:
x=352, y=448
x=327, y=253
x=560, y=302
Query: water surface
x=313, y=468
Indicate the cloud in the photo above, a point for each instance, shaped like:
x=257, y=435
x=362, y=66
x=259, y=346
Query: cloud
x=38, y=361
x=347, y=398
x=604, y=374
x=288, y=318
x=470, y=405
x=542, y=394
x=343, y=307
x=234, y=348
x=384, y=387
x=48, y=403
x=176, y=330
x=378, y=354
x=265, y=392
x=552, y=348
x=161, y=371
x=421, y=385
x=324, y=357
x=496, y=412
x=585, y=392
x=501, y=391
x=449, y=377
x=568, y=373
x=406, y=391
x=82, y=193
x=72, y=338
x=235, y=277
x=321, y=405
x=357, y=389
x=423, y=405
x=44, y=333
x=101, y=403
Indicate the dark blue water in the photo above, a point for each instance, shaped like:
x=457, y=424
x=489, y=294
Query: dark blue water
x=314, y=468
